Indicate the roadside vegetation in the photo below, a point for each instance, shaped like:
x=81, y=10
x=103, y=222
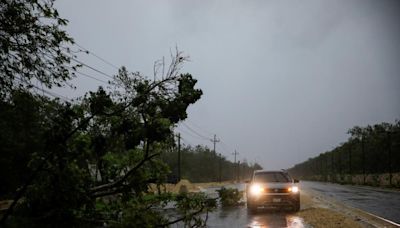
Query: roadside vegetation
x=371, y=156
x=230, y=196
x=88, y=161
x=200, y=164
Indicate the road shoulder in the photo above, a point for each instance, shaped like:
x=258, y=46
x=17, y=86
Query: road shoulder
x=323, y=211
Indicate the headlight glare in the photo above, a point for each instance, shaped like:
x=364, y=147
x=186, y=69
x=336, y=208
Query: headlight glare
x=294, y=189
x=255, y=189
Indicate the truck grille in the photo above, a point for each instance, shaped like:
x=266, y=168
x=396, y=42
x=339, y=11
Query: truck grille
x=276, y=190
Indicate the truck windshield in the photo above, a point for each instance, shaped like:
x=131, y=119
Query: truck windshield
x=271, y=177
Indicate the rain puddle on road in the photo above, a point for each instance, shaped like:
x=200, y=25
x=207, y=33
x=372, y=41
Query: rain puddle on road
x=276, y=220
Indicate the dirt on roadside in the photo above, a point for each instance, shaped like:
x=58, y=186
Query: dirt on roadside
x=181, y=186
x=322, y=217
x=321, y=211
x=317, y=214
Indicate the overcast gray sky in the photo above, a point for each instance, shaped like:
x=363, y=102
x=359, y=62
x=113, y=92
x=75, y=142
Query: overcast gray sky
x=282, y=80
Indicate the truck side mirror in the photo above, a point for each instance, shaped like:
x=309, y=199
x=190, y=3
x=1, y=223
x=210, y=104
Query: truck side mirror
x=296, y=181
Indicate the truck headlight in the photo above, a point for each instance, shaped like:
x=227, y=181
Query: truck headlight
x=255, y=189
x=294, y=189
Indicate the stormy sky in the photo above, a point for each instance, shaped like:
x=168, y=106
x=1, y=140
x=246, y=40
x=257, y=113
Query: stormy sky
x=282, y=80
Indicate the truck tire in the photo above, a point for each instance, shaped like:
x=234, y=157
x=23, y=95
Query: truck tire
x=251, y=208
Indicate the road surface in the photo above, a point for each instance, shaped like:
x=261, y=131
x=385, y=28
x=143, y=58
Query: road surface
x=239, y=217
x=380, y=202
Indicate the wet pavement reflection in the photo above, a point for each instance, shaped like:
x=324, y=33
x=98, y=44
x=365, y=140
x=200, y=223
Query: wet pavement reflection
x=240, y=217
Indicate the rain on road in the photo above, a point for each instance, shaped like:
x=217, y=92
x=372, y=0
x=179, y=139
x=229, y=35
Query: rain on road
x=239, y=217
x=384, y=203
x=380, y=202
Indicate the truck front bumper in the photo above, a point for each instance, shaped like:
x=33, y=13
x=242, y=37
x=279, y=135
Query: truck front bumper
x=274, y=200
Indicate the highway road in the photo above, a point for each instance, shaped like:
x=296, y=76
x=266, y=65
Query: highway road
x=239, y=217
x=381, y=202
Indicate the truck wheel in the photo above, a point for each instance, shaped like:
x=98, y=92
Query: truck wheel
x=251, y=208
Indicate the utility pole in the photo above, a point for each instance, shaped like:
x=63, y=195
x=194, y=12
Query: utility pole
x=239, y=170
x=179, y=157
x=219, y=167
x=236, y=167
x=326, y=167
x=389, y=139
x=363, y=156
x=350, y=171
x=319, y=167
x=333, y=177
x=214, y=141
x=340, y=165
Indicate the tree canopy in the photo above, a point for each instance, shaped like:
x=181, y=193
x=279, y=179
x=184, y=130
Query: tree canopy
x=369, y=150
x=90, y=161
x=33, y=46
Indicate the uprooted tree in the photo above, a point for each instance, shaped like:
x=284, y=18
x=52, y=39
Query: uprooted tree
x=92, y=160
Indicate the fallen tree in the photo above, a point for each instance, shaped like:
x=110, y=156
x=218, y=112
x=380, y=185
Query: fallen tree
x=91, y=160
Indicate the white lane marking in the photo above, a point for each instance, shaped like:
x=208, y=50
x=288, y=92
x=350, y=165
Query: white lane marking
x=349, y=206
x=386, y=220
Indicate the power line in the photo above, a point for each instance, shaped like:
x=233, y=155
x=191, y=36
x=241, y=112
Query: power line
x=92, y=68
x=200, y=135
x=225, y=146
x=186, y=141
x=88, y=66
x=86, y=75
x=198, y=127
x=191, y=134
x=55, y=95
x=52, y=94
x=197, y=137
x=225, y=143
x=92, y=77
x=97, y=56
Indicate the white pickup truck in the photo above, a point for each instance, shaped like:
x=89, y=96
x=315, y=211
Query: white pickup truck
x=272, y=189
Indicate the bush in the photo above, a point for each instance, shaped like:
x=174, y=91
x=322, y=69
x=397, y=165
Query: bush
x=229, y=196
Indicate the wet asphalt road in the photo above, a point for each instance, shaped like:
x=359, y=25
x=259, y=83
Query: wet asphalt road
x=380, y=202
x=239, y=217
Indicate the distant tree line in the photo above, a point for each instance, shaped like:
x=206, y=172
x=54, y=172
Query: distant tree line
x=201, y=164
x=369, y=150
